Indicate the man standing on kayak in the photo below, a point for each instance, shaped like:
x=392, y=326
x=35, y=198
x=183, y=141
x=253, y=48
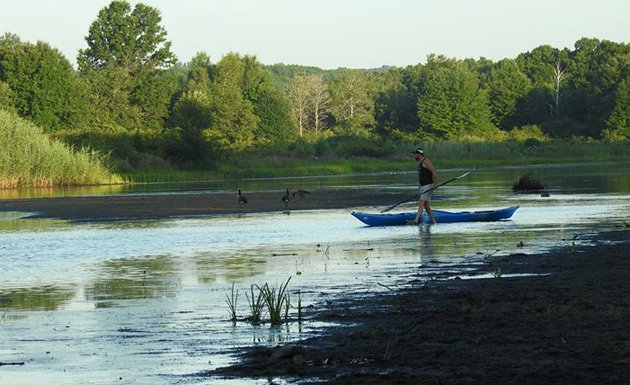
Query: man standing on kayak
x=427, y=182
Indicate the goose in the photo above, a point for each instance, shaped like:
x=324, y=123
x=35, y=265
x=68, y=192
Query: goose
x=300, y=193
x=241, y=198
x=286, y=198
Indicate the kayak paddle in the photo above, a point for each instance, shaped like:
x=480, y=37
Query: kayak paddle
x=388, y=208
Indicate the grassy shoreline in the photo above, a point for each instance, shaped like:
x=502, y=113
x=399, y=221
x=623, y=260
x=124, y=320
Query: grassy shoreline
x=274, y=168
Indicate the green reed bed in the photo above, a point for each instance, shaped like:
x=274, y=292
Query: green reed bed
x=276, y=301
x=443, y=155
x=256, y=305
x=232, y=302
x=394, y=157
x=31, y=159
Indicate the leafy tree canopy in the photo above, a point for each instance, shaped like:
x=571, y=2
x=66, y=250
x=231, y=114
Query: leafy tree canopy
x=41, y=84
x=126, y=38
x=192, y=109
x=619, y=121
x=232, y=115
x=353, y=102
x=124, y=63
x=506, y=84
x=451, y=104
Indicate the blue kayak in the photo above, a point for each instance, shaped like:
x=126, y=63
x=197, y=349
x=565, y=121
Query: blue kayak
x=440, y=216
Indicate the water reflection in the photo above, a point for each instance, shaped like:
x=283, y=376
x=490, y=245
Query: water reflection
x=265, y=336
x=36, y=298
x=12, y=222
x=132, y=278
x=424, y=238
x=230, y=267
x=61, y=191
x=147, y=224
x=11, y=215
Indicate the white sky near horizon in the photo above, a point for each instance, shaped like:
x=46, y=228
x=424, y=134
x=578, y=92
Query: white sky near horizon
x=338, y=33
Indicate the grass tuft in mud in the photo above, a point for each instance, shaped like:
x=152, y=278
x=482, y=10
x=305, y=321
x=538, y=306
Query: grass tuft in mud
x=256, y=305
x=277, y=301
x=232, y=302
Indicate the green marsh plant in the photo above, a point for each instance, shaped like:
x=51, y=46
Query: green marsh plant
x=498, y=262
x=299, y=305
x=571, y=245
x=232, y=301
x=489, y=256
x=388, y=353
x=277, y=301
x=287, y=306
x=467, y=307
x=256, y=305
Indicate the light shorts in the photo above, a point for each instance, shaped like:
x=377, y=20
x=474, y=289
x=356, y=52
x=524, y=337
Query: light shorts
x=425, y=195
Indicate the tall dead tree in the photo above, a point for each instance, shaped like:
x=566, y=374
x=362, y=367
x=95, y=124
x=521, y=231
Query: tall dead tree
x=298, y=93
x=558, y=75
x=320, y=100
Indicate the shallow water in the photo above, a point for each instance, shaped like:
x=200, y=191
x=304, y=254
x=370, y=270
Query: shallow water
x=143, y=302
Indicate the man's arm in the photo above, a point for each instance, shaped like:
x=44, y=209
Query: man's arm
x=429, y=166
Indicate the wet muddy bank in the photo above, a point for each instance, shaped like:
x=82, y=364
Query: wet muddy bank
x=567, y=324
x=159, y=206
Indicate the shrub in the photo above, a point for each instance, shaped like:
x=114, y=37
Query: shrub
x=529, y=133
x=527, y=183
x=31, y=159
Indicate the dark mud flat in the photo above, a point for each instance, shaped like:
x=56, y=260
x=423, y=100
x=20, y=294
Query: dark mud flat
x=568, y=325
x=160, y=206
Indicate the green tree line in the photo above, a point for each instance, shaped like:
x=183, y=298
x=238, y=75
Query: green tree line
x=131, y=97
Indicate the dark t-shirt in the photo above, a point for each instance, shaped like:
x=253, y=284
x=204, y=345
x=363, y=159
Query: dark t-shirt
x=424, y=175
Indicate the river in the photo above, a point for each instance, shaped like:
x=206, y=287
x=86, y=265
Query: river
x=144, y=302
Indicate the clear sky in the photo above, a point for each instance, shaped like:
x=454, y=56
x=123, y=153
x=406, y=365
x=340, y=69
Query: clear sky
x=339, y=33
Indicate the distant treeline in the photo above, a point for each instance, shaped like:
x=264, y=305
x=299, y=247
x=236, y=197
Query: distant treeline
x=131, y=97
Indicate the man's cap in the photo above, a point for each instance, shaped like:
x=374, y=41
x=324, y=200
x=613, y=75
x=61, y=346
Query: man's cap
x=417, y=151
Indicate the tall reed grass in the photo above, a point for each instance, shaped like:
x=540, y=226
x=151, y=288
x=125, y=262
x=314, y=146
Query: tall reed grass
x=277, y=300
x=256, y=305
x=232, y=302
x=29, y=158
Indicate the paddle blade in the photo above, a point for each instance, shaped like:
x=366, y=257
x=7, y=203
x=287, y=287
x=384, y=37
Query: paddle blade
x=389, y=208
